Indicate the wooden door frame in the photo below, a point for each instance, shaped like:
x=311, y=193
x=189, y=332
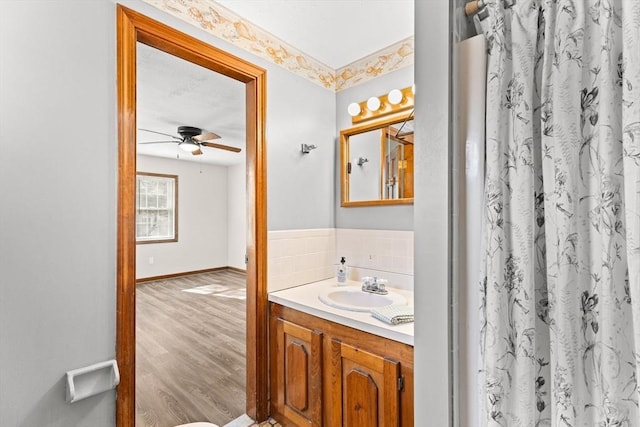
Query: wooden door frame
x=133, y=27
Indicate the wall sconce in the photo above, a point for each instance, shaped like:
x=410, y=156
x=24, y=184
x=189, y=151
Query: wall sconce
x=361, y=161
x=306, y=148
x=397, y=100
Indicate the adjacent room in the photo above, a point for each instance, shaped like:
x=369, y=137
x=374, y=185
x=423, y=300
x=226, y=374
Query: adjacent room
x=191, y=243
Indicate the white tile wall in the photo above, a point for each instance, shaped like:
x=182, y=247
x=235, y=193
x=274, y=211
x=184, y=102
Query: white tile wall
x=383, y=253
x=297, y=257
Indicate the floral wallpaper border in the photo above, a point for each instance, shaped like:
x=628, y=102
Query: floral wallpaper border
x=384, y=61
x=225, y=24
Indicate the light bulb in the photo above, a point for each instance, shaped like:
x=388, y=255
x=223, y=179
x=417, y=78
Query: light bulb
x=373, y=103
x=354, y=109
x=395, y=97
x=189, y=146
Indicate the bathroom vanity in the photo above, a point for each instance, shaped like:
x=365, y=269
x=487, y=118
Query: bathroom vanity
x=333, y=367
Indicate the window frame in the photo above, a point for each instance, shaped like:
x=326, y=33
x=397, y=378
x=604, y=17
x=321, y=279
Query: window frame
x=174, y=238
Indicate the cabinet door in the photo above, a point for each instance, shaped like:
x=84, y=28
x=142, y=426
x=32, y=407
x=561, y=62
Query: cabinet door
x=365, y=387
x=298, y=363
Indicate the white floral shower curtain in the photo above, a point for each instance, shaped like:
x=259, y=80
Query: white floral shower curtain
x=561, y=295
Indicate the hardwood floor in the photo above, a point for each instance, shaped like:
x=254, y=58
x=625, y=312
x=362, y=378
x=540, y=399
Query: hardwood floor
x=190, y=349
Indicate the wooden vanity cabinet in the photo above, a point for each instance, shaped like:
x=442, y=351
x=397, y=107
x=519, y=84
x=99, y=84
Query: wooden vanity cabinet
x=328, y=374
x=297, y=352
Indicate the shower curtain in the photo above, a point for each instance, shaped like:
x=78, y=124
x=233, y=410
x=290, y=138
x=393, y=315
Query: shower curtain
x=561, y=256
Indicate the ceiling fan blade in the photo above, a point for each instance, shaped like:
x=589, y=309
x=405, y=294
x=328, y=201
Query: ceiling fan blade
x=197, y=152
x=160, y=133
x=220, y=146
x=158, y=142
x=206, y=136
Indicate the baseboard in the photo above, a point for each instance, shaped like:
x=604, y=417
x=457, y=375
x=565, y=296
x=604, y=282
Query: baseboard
x=187, y=273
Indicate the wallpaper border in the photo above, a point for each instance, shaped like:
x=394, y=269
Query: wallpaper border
x=220, y=22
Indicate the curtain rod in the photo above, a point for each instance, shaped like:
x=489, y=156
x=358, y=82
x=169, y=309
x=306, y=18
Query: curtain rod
x=474, y=7
x=478, y=7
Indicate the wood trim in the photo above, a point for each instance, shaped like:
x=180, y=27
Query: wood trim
x=134, y=27
x=297, y=331
x=366, y=341
x=297, y=419
x=383, y=160
x=362, y=357
x=316, y=379
x=185, y=273
x=373, y=124
x=334, y=411
x=345, y=169
x=126, y=244
x=391, y=373
x=378, y=203
x=176, y=183
x=277, y=373
x=257, y=304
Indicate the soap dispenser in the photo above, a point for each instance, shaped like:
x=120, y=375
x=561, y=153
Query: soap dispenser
x=342, y=272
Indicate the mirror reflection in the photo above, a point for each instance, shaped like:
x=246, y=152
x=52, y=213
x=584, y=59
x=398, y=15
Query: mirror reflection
x=377, y=163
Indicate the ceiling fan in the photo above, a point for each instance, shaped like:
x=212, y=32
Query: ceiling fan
x=192, y=139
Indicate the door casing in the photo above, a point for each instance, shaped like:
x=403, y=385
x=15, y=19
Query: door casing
x=133, y=27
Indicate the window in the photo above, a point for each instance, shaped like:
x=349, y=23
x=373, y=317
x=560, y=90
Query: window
x=156, y=208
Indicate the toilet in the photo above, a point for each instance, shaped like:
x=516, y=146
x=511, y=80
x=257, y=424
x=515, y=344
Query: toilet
x=198, y=424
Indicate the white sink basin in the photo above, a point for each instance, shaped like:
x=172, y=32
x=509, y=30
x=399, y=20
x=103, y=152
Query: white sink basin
x=354, y=299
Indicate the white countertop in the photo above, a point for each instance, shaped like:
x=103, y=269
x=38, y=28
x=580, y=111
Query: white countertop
x=305, y=298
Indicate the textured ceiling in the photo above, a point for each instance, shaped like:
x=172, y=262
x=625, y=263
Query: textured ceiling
x=173, y=92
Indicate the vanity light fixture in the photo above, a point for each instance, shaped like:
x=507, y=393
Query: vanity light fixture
x=354, y=109
x=394, y=102
x=395, y=97
x=373, y=103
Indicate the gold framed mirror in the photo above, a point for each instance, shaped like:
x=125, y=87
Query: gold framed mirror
x=376, y=162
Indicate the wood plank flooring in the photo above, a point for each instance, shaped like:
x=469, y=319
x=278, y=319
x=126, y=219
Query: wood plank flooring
x=190, y=349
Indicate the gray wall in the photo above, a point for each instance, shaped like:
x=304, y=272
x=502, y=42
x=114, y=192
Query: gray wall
x=58, y=193
x=300, y=186
x=398, y=217
x=433, y=386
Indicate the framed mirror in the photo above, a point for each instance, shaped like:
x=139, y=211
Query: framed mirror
x=377, y=162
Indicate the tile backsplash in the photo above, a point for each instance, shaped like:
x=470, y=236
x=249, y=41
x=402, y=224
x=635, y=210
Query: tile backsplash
x=297, y=257
x=300, y=256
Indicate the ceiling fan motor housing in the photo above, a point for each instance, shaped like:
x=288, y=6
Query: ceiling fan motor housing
x=189, y=131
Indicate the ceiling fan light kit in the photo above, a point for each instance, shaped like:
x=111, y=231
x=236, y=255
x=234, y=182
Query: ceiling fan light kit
x=189, y=146
x=192, y=140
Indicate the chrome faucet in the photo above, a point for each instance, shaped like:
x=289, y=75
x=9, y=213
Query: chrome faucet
x=373, y=285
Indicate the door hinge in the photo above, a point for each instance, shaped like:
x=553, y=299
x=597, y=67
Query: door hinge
x=349, y=167
x=401, y=383
x=246, y=259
